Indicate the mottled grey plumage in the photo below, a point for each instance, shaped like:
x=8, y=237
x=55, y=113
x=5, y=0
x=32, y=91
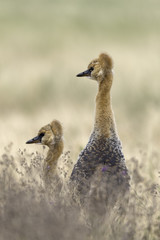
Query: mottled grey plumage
x=104, y=152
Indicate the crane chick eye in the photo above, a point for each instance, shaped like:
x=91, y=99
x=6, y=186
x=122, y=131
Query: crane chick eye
x=91, y=69
x=41, y=135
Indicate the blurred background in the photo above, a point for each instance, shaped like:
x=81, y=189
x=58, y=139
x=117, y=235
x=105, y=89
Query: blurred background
x=45, y=43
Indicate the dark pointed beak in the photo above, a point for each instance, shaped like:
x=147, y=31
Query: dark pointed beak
x=86, y=73
x=36, y=139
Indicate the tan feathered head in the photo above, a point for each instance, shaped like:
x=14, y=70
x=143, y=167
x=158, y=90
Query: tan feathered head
x=49, y=134
x=99, y=68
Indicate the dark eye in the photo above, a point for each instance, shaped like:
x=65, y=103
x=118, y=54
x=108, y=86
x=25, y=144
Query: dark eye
x=41, y=135
x=91, y=69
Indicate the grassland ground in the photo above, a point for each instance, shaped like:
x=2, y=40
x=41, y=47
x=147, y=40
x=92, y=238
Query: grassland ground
x=43, y=45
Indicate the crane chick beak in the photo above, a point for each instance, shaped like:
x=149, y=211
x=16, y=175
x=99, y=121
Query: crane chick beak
x=86, y=73
x=36, y=139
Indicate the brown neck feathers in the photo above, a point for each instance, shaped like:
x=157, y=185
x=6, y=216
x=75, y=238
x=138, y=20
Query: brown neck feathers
x=104, y=119
x=53, y=155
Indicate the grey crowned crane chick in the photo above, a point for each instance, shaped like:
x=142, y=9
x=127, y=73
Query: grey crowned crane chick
x=50, y=135
x=102, y=155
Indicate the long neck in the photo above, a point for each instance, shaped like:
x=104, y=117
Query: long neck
x=104, y=119
x=53, y=155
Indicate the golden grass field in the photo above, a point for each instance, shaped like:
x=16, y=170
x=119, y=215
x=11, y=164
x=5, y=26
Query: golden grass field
x=43, y=45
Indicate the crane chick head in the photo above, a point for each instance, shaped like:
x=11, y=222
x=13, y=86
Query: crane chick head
x=48, y=135
x=99, y=68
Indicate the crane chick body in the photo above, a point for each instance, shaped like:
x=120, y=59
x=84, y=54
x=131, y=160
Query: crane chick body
x=50, y=135
x=104, y=147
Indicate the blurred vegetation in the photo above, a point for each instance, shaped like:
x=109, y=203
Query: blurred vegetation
x=45, y=43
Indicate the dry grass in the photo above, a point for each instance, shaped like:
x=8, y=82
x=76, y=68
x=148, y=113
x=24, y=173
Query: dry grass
x=28, y=213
